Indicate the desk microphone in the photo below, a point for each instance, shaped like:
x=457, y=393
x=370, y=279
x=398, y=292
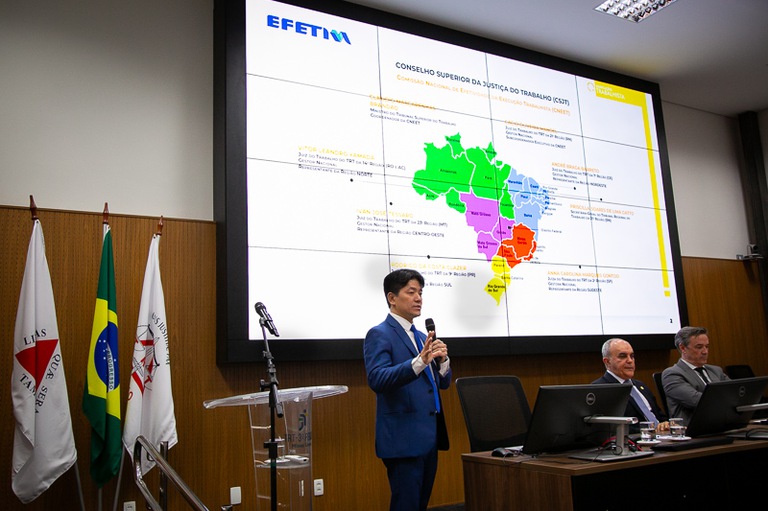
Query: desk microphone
x=266, y=319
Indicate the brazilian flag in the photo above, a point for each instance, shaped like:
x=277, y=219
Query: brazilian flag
x=101, y=396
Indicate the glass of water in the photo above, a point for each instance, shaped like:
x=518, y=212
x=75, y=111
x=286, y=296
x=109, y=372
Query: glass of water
x=647, y=431
x=676, y=428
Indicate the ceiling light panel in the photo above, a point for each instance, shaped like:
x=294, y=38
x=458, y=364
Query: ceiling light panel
x=633, y=10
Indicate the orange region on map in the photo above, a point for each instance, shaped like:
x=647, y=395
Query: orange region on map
x=520, y=247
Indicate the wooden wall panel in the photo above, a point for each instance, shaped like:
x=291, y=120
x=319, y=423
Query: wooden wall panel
x=724, y=297
x=213, y=453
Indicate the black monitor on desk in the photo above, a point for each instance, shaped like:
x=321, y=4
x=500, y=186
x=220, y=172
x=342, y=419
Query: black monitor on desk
x=557, y=422
x=716, y=411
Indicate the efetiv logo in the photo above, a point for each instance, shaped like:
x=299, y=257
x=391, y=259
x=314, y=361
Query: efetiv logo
x=309, y=29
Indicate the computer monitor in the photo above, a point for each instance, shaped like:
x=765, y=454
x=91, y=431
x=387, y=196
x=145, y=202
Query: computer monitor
x=716, y=411
x=557, y=422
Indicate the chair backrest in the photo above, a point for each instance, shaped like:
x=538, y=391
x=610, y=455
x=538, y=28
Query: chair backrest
x=496, y=411
x=738, y=371
x=662, y=394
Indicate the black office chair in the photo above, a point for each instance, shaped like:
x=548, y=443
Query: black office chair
x=738, y=371
x=660, y=389
x=496, y=411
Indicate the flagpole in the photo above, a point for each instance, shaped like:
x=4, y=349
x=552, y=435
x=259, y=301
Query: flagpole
x=119, y=479
x=79, y=486
x=163, y=495
x=104, y=221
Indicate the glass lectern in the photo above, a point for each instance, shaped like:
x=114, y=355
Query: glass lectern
x=293, y=435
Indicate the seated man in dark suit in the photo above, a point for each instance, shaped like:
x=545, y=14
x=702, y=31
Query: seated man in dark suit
x=619, y=360
x=685, y=381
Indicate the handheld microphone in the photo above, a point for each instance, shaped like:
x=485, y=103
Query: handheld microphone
x=266, y=319
x=430, y=325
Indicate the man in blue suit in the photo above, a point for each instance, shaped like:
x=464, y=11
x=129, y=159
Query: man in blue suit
x=619, y=360
x=685, y=381
x=405, y=368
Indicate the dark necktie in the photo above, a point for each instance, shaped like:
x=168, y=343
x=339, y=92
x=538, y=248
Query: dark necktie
x=703, y=373
x=430, y=375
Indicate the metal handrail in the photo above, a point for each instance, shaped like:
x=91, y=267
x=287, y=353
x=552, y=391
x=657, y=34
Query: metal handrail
x=166, y=469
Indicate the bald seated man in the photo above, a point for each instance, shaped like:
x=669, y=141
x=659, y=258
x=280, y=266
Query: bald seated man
x=619, y=360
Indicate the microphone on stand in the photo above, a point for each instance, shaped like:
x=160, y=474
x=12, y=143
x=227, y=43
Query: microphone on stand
x=275, y=405
x=266, y=319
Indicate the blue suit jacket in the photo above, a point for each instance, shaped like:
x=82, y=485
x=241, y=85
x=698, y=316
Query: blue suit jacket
x=406, y=422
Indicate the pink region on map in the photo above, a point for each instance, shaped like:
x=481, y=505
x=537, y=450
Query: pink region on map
x=503, y=229
x=483, y=216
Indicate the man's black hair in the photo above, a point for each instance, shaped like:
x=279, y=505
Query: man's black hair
x=398, y=279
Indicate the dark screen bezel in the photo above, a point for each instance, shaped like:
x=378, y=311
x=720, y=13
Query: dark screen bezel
x=230, y=207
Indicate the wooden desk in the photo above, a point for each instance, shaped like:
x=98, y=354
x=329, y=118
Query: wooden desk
x=730, y=476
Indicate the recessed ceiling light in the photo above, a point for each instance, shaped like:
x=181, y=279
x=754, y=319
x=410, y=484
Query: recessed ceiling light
x=633, y=10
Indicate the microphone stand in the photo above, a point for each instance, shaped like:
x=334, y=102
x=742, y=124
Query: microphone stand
x=275, y=408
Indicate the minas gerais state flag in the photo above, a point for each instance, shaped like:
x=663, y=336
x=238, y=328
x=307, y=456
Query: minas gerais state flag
x=101, y=396
x=43, y=444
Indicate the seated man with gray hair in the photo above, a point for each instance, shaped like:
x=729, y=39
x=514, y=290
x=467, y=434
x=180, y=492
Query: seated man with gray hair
x=619, y=360
x=685, y=381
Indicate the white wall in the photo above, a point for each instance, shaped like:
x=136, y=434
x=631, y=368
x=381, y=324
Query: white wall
x=704, y=156
x=109, y=101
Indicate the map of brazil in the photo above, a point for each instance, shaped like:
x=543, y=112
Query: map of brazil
x=502, y=206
